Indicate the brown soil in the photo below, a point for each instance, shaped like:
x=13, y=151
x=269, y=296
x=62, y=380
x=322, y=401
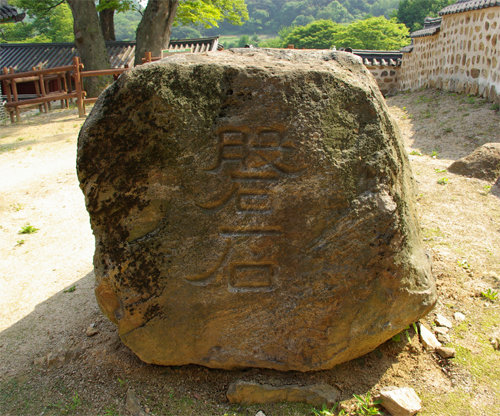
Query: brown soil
x=49, y=366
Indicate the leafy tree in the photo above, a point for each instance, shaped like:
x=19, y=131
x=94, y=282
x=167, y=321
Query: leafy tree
x=319, y=34
x=373, y=33
x=54, y=25
x=413, y=12
x=126, y=24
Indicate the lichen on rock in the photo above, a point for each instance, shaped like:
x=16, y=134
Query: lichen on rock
x=252, y=208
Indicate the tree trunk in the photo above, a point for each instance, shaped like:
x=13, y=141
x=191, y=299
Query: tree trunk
x=153, y=32
x=90, y=43
x=106, y=19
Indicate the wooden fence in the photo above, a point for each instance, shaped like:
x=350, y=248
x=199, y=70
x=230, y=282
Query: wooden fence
x=69, y=81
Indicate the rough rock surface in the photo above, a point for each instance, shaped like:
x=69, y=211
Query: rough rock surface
x=247, y=392
x=482, y=163
x=252, y=208
x=428, y=339
x=400, y=401
x=495, y=189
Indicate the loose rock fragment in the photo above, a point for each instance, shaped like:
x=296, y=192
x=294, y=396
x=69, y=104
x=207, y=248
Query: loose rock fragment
x=443, y=321
x=260, y=413
x=443, y=338
x=495, y=340
x=252, y=197
x=446, y=352
x=247, y=392
x=400, y=401
x=91, y=330
x=482, y=163
x=459, y=316
x=133, y=405
x=428, y=338
x=441, y=330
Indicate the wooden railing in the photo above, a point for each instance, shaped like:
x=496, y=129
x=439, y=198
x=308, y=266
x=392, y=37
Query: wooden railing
x=69, y=81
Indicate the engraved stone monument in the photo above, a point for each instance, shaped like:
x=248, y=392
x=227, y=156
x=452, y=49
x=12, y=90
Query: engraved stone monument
x=252, y=208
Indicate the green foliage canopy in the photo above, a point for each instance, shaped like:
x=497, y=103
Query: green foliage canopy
x=413, y=12
x=43, y=24
x=376, y=33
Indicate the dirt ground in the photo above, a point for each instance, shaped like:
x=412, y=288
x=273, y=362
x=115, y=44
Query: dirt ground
x=50, y=366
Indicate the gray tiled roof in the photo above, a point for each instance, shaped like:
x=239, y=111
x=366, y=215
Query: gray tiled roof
x=466, y=5
x=432, y=25
x=24, y=56
x=379, y=58
x=10, y=14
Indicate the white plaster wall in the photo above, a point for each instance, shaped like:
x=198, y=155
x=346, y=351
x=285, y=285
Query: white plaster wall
x=464, y=56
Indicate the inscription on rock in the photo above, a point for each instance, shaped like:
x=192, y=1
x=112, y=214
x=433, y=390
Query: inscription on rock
x=253, y=160
x=252, y=208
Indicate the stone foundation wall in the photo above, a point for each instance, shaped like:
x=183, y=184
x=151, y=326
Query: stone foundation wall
x=464, y=56
x=387, y=78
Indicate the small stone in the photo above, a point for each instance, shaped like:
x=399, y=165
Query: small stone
x=400, y=401
x=260, y=413
x=443, y=338
x=441, y=330
x=446, y=352
x=133, y=405
x=428, y=339
x=247, y=392
x=459, y=316
x=40, y=361
x=91, y=331
x=495, y=341
x=443, y=321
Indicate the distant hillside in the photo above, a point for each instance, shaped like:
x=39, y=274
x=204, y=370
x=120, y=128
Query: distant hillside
x=269, y=16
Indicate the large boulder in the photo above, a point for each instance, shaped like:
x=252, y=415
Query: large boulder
x=482, y=163
x=252, y=208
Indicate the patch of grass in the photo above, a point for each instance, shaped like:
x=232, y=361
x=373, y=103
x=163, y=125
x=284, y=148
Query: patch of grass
x=448, y=130
x=434, y=154
x=406, y=333
x=486, y=189
x=70, y=289
x=490, y=294
x=366, y=406
x=415, y=153
x=464, y=264
x=19, y=242
x=443, y=181
x=110, y=411
x=325, y=411
x=440, y=170
x=28, y=229
x=431, y=233
x=16, y=206
x=495, y=107
x=69, y=407
x=470, y=99
x=455, y=402
x=20, y=139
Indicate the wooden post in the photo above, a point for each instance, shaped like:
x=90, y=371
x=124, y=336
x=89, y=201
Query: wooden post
x=77, y=66
x=8, y=92
x=43, y=92
x=14, y=94
x=148, y=57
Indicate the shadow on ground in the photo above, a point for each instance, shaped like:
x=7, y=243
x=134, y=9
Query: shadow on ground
x=50, y=366
x=441, y=120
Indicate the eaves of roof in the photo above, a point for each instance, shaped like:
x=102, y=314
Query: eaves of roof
x=425, y=32
x=10, y=14
x=379, y=58
x=24, y=56
x=467, y=5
